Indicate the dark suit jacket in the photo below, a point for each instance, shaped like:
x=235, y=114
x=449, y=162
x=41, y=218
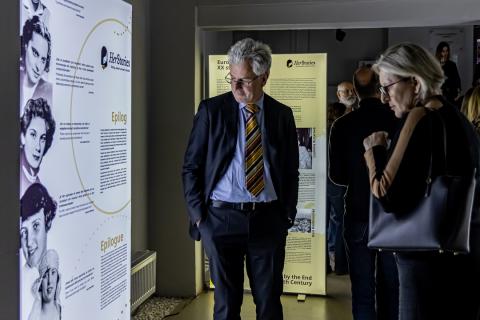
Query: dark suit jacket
x=346, y=163
x=211, y=148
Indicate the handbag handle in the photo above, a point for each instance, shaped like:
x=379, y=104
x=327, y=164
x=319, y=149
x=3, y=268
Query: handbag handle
x=444, y=131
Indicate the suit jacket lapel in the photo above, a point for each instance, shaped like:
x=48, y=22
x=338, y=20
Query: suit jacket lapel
x=230, y=110
x=269, y=125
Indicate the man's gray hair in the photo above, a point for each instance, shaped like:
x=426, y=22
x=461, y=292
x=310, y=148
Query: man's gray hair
x=410, y=60
x=258, y=54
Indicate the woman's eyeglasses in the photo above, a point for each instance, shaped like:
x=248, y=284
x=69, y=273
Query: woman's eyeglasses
x=384, y=89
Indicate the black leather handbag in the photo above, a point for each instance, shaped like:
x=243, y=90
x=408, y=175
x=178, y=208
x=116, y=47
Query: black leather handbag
x=440, y=221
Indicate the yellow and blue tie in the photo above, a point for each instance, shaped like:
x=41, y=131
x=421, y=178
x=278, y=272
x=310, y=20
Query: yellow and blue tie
x=253, y=152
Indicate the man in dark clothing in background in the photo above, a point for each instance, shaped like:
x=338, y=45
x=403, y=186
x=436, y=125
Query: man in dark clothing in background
x=373, y=275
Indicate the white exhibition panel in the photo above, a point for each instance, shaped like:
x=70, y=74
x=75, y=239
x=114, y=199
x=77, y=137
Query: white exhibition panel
x=86, y=171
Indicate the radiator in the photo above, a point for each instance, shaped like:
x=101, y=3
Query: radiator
x=143, y=277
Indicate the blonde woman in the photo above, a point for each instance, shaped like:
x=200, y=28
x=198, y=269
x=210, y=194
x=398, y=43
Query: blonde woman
x=410, y=82
x=471, y=107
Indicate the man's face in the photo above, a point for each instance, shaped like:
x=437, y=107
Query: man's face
x=36, y=58
x=345, y=93
x=33, y=238
x=49, y=284
x=247, y=87
x=34, y=141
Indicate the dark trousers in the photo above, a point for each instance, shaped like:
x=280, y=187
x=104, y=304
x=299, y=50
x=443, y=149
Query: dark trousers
x=373, y=277
x=437, y=286
x=335, y=212
x=258, y=237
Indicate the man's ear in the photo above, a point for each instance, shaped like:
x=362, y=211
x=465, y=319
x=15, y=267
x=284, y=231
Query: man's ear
x=265, y=78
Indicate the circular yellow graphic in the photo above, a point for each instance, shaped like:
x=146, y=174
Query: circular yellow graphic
x=126, y=29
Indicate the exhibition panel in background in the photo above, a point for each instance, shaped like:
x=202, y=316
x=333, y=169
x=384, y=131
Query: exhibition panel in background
x=299, y=81
x=75, y=159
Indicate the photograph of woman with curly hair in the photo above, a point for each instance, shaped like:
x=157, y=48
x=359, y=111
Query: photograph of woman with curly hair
x=35, y=57
x=37, y=211
x=37, y=127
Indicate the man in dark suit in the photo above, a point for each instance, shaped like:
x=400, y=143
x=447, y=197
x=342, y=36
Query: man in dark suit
x=240, y=179
x=373, y=275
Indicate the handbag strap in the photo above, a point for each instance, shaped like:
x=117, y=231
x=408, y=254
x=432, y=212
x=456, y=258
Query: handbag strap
x=444, y=134
x=444, y=131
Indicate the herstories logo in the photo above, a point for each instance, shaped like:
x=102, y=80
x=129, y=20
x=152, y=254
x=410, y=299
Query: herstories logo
x=104, y=57
x=114, y=60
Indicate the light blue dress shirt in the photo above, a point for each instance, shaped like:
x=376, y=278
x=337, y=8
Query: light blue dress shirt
x=232, y=187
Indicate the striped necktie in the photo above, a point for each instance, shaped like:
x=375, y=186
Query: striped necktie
x=253, y=152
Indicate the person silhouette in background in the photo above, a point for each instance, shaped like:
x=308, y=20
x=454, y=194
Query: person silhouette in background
x=337, y=257
x=471, y=107
x=346, y=95
x=452, y=86
x=373, y=274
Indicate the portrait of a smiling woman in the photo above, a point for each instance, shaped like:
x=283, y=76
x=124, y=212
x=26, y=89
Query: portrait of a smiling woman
x=46, y=289
x=37, y=211
x=35, y=62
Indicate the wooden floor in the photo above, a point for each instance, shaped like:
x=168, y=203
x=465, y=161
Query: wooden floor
x=335, y=306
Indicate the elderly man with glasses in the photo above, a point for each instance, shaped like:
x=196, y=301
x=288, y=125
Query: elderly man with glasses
x=240, y=178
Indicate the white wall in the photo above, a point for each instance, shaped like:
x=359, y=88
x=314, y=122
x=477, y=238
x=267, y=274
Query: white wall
x=342, y=59
x=423, y=37
x=328, y=14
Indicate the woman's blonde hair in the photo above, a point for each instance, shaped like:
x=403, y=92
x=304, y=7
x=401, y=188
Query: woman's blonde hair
x=471, y=107
x=407, y=60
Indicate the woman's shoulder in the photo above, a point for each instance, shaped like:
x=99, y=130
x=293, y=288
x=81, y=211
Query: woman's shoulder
x=449, y=65
x=414, y=117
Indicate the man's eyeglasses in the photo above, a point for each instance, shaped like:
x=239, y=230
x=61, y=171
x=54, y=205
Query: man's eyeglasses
x=384, y=89
x=244, y=81
x=345, y=91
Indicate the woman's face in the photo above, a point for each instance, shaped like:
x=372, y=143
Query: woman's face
x=49, y=284
x=400, y=93
x=36, y=58
x=33, y=238
x=444, y=53
x=34, y=141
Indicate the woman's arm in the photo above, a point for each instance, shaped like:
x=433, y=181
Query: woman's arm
x=398, y=179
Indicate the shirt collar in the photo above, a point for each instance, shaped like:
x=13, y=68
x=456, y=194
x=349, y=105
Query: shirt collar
x=259, y=103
